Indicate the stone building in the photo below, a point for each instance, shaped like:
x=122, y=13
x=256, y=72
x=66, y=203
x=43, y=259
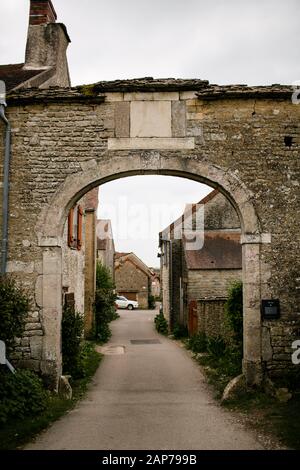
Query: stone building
x=45, y=62
x=45, y=66
x=132, y=278
x=155, y=282
x=190, y=273
x=106, y=245
x=242, y=140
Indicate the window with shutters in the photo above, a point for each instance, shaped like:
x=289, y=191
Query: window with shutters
x=75, y=228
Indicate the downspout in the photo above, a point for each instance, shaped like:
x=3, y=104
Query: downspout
x=5, y=179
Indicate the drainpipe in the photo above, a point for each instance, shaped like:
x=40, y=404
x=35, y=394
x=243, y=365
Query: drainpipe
x=5, y=178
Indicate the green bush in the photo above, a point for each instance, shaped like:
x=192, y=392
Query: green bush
x=197, y=343
x=216, y=346
x=234, y=310
x=104, y=306
x=21, y=394
x=72, y=333
x=14, y=308
x=161, y=324
x=151, y=302
x=180, y=331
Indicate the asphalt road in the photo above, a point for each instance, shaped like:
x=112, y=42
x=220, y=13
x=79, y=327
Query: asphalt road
x=146, y=396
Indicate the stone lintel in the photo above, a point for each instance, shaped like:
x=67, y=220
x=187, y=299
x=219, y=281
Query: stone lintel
x=50, y=242
x=152, y=143
x=248, y=239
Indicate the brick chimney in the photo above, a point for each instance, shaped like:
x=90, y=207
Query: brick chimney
x=47, y=43
x=41, y=12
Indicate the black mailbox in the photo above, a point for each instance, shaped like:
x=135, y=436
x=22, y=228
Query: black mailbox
x=270, y=309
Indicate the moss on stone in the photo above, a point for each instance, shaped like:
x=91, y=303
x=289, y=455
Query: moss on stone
x=88, y=90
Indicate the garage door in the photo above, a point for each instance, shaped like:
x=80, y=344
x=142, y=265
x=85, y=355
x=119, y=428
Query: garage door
x=129, y=295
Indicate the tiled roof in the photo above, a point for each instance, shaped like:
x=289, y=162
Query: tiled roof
x=120, y=255
x=221, y=250
x=14, y=75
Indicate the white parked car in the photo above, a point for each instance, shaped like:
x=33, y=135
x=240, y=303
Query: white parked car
x=122, y=302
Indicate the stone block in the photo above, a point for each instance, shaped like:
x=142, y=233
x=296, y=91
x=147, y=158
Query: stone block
x=267, y=352
x=187, y=95
x=234, y=388
x=122, y=119
x=152, y=144
x=33, y=326
x=36, y=343
x=150, y=119
x=112, y=97
x=20, y=267
x=178, y=119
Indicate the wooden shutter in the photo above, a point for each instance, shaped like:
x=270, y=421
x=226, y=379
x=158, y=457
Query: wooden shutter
x=79, y=228
x=70, y=228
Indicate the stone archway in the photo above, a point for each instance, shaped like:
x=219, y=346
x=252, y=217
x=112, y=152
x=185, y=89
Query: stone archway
x=50, y=227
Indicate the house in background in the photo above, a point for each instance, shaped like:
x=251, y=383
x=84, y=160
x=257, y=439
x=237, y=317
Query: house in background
x=187, y=274
x=45, y=66
x=155, y=282
x=106, y=245
x=45, y=62
x=133, y=278
x=79, y=257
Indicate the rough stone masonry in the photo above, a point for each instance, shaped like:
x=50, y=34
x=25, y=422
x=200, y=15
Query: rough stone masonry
x=241, y=140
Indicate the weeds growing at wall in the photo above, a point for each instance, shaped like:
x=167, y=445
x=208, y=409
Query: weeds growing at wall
x=222, y=356
x=180, y=331
x=21, y=394
x=14, y=308
x=151, y=302
x=161, y=324
x=72, y=335
x=104, y=305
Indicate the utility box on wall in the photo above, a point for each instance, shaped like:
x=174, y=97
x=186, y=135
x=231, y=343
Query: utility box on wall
x=270, y=309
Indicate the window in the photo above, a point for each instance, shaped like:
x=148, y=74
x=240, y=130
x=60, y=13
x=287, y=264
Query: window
x=75, y=228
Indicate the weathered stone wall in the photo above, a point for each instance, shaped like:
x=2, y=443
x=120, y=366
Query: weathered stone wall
x=236, y=132
x=89, y=269
x=73, y=265
x=219, y=214
x=210, y=283
x=211, y=317
x=165, y=280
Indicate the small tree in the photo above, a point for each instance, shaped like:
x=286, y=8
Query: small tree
x=14, y=308
x=72, y=332
x=104, y=303
x=234, y=310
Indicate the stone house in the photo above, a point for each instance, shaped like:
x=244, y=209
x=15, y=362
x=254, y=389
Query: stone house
x=133, y=278
x=155, y=282
x=242, y=140
x=106, y=245
x=202, y=274
x=45, y=62
x=46, y=66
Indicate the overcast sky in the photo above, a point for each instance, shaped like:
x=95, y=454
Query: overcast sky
x=224, y=41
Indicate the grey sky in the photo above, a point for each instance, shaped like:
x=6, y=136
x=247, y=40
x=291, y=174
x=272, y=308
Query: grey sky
x=224, y=41
x=142, y=206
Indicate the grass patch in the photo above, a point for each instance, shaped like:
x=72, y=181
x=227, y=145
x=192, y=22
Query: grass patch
x=261, y=411
x=268, y=415
x=20, y=432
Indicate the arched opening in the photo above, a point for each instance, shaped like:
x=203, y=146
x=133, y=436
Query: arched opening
x=52, y=220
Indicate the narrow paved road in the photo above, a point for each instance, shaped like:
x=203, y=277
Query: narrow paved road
x=152, y=396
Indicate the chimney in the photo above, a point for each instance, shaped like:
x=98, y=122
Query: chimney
x=47, y=43
x=41, y=12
